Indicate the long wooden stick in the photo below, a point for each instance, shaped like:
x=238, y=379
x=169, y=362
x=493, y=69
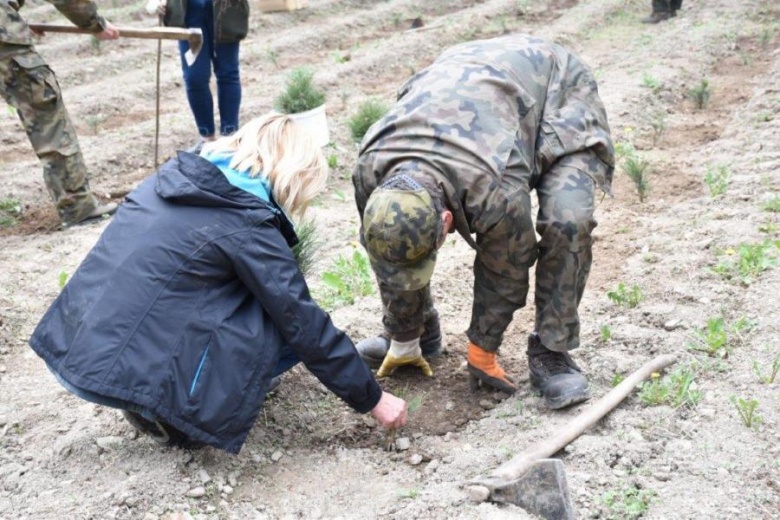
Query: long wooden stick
x=155, y=33
x=512, y=470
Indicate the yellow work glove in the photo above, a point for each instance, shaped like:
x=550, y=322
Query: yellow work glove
x=404, y=353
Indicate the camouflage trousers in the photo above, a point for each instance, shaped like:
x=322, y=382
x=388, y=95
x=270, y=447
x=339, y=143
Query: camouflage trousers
x=666, y=6
x=29, y=85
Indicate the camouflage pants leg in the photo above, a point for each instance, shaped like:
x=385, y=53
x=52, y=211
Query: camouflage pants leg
x=565, y=223
x=29, y=85
x=402, y=311
x=666, y=6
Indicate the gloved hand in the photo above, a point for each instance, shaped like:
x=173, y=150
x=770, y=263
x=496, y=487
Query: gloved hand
x=404, y=353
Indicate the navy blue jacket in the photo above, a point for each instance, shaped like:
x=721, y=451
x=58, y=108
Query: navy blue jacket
x=185, y=303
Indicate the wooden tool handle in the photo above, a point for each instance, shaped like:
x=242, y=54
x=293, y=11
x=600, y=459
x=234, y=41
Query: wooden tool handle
x=156, y=33
x=516, y=468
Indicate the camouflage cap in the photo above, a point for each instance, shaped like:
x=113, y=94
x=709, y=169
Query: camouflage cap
x=400, y=232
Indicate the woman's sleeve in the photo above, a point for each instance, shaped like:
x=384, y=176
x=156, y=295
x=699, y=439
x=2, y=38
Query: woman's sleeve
x=265, y=263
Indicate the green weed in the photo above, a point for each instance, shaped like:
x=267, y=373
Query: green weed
x=338, y=195
x=300, y=93
x=628, y=502
x=638, y=170
x=272, y=55
x=348, y=279
x=606, y=333
x=340, y=57
x=626, y=297
x=624, y=149
x=766, y=35
x=616, y=380
x=333, y=161
x=764, y=117
x=521, y=7
x=773, y=204
x=10, y=211
x=308, y=248
x=748, y=262
x=676, y=389
x=770, y=228
x=62, y=279
x=368, y=113
x=397, y=18
x=712, y=339
x=748, y=411
x=700, y=94
x=658, y=124
x=717, y=179
x=770, y=378
x=652, y=83
x=409, y=493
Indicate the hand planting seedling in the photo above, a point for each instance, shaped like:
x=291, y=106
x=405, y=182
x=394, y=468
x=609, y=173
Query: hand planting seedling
x=626, y=297
x=747, y=410
x=369, y=113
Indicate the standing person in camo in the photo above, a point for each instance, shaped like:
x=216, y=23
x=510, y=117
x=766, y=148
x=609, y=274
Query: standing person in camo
x=467, y=141
x=192, y=300
x=29, y=85
x=663, y=10
x=224, y=24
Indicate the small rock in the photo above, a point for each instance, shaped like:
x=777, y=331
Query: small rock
x=450, y=406
x=432, y=466
x=478, y=494
x=151, y=516
x=196, y=492
x=277, y=456
x=369, y=421
x=448, y=437
x=403, y=444
x=257, y=459
x=707, y=412
x=415, y=459
x=449, y=459
x=662, y=476
x=109, y=443
x=211, y=508
x=3, y=420
x=672, y=324
x=204, y=476
x=487, y=405
x=417, y=435
x=233, y=479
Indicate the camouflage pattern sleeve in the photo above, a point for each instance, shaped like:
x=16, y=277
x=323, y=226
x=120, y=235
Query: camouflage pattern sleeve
x=82, y=13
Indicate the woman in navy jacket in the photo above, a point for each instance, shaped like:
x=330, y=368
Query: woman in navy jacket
x=191, y=301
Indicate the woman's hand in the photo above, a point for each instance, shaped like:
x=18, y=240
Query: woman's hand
x=390, y=411
x=110, y=32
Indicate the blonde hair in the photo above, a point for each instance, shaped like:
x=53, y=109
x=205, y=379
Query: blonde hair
x=284, y=153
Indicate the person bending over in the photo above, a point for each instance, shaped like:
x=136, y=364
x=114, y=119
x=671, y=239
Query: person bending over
x=192, y=301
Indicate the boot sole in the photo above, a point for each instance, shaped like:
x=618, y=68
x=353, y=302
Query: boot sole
x=477, y=377
x=576, y=396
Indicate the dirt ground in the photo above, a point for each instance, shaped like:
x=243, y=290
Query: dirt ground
x=309, y=456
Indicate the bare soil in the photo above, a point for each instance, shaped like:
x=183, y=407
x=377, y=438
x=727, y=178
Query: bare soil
x=309, y=456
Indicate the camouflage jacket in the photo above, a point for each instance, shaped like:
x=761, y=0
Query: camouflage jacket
x=14, y=30
x=487, y=119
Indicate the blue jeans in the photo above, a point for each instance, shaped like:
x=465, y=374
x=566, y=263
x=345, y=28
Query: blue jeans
x=224, y=57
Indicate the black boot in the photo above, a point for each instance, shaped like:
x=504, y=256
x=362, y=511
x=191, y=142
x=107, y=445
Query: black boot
x=374, y=350
x=556, y=375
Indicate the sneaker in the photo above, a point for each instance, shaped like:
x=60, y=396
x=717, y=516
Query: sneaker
x=374, y=350
x=556, y=375
x=162, y=433
x=657, y=17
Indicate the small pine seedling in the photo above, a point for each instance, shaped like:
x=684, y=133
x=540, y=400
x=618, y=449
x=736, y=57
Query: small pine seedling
x=368, y=113
x=747, y=410
x=626, y=297
x=717, y=179
x=652, y=83
x=300, y=93
x=308, y=248
x=658, y=124
x=700, y=94
x=10, y=210
x=768, y=379
x=638, y=170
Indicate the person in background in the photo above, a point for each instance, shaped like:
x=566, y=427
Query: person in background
x=191, y=301
x=663, y=10
x=224, y=24
x=30, y=86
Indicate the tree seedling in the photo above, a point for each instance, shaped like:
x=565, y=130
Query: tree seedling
x=300, y=94
x=368, y=113
x=768, y=379
x=349, y=278
x=606, y=333
x=700, y=94
x=747, y=410
x=638, y=170
x=652, y=83
x=658, y=124
x=717, y=179
x=626, y=297
x=10, y=210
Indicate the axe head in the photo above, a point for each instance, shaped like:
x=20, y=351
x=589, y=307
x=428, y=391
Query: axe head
x=541, y=491
x=196, y=43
